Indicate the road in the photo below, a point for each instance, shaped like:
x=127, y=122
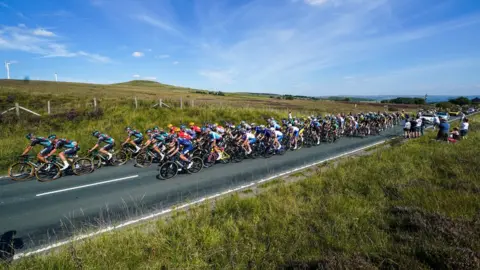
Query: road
x=43, y=213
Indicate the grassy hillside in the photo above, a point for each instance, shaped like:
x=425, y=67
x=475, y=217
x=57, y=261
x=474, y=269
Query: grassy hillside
x=413, y=206
x=73, y=114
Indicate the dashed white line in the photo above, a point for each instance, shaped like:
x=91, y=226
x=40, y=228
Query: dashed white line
x=168, y=210
x=85, y=186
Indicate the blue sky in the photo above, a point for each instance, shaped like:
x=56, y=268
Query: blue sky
x=305, y=47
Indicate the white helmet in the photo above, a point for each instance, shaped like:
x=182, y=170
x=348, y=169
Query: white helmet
x=272, y=129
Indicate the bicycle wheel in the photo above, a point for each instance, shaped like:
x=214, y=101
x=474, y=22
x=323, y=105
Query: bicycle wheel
x=209, y=159
x=48, y=172
x=21, y=171
x=143, y=160
x=97, y=162
x=197, y=165
x=121, y=157
x=83, y=166
x=168, y=170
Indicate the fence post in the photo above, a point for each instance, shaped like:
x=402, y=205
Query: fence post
x=160, y=102
x=95, y=103
x=193, y=103
x=17, y=109
x=181, y=104
x=48, y=107
x=136, y=103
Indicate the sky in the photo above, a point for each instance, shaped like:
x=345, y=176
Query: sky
x=302, y=47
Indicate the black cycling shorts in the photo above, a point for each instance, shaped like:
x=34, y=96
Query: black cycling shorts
x=71, y=151
x=108, y=147
x=138, y=141
x=45, y=151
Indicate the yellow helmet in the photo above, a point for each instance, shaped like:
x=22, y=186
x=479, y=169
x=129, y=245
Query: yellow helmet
x=177, y=129
x=170, y=125
x=191, y=124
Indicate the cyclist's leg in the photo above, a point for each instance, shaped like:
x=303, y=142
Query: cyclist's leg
x=105, y=150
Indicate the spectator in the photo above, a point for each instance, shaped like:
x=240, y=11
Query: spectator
x=423, y=125
x=406, y=129
x=455, y=134
x=418, y=128
x=464, y=128
x=443, y=129
x=436, y=122
x=413, y=127
x=290, y=116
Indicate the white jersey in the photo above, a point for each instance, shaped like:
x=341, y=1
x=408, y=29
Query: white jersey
x=278, y=133
x=250, y=136
x=295, y=129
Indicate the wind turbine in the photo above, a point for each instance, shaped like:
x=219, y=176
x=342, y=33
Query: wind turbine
x=7, y=67
x=56, y=77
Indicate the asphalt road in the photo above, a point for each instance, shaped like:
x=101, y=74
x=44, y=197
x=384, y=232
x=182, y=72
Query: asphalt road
x=43, y=213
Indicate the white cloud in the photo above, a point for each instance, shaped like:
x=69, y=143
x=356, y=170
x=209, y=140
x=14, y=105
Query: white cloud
x=316, y=2
x=155, y=22
x=21, y=38
x=95, y=57
x=42, y=32
x=138, y=54
x=176, y=63
x=136, y=76
x=150, y=78
x=162, y=56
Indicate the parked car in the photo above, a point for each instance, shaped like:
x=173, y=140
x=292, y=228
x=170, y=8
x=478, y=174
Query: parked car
x=429, y=118
x=470, y=111
x=443, y=115
x=454, y=113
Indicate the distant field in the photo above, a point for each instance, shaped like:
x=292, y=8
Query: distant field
x=65, y=96
x=73, y=114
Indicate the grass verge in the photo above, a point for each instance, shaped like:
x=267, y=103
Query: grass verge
x=414, y=206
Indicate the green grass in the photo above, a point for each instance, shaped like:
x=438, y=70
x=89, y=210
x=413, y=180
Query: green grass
x=414, y=206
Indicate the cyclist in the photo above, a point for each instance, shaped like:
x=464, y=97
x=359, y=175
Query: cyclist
x=216, y=140
x=135, y=142
x=45, y=142
x=175, y=144
x=184, y=134
x=278, y=138
x=109, y=143
x=293, y=132
x=71, y=149
x=248, y=139
x=156, y=140
x=195, y=128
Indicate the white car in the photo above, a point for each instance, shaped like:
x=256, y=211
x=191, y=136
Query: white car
x=443, y=115
x=429, y=118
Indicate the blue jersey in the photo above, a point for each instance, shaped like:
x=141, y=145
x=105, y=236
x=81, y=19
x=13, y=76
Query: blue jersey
x=184, y=142
x=215, y=136
x=135, y=133
x=42, y=141
x=268, y=133
x=105, y=138
x=65, y=144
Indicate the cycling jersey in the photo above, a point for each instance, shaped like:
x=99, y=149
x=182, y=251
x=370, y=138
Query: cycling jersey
x=220, y=130
x=279, y=135
x=42, y=141
x=196, y=129
x=70, y=145
x=295, y=131
x=184, y=135
x=251, y=138
x=191, y=132
x=46, y=143
x=215, y=136
x=135, y=133
x=268, y=133
x=109, y=142
x=187, y=145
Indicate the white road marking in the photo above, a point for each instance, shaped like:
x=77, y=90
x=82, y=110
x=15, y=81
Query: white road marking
x=201, y=200
x=168, y=210
x=89, y=185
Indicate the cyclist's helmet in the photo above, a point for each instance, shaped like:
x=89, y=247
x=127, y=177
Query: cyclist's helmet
x=29, y=136
x=170, y=126
x=191, y=124
x=52, y=137
x=148, y=131
x=95, y=133
x=128, y=128
x=177, y=130
x=272, y=129
x=183, y=127
x=289, y=125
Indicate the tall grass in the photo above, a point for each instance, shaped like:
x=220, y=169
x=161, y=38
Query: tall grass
x=413, y=206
